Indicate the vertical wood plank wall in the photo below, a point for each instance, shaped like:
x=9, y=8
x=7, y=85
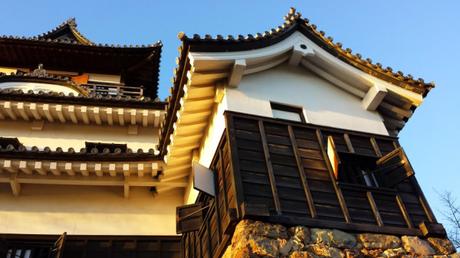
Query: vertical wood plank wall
x=285, y=176
x=277, y=171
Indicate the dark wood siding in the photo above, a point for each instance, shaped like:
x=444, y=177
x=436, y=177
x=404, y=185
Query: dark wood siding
x=278, y=171
x=213, y=235
x=96, y=246
x=285, y=176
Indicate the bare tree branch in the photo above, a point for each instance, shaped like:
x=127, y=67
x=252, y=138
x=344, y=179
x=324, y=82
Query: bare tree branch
x=452, y=215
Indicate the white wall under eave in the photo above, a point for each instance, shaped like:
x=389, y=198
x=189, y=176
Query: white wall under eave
x=209, y=144
x=74, y=136
x=323, y=103
x=84, y=210
x=214, y=134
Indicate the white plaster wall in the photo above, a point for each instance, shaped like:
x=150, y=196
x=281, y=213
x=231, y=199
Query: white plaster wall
x=323, y=103
x=88, y=211
x=56, y=135
x=213, y=135
x=209, y=145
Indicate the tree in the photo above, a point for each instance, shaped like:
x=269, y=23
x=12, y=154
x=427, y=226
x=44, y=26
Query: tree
x=452, y=215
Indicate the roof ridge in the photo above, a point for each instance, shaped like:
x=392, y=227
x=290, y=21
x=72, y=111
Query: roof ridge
x=71, y=24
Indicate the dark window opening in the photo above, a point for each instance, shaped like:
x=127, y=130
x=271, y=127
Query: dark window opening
x=371, y=171
x=287, y=112
x=105, y=147
x=357, y=169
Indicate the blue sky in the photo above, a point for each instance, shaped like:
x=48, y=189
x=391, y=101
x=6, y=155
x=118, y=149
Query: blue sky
x=415, y=36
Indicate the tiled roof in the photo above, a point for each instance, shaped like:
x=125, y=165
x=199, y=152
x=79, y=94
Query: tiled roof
x=98, y=100
x=64, y=48
x=41, y=78
x=46, y=153
x=294, y=21
x=70, y=26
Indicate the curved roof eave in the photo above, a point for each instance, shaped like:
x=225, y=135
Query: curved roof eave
x=293, y=21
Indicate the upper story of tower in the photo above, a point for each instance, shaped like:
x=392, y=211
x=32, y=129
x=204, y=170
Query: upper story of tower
x=64, y=62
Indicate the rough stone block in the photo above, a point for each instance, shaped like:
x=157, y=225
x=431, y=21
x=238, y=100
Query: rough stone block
x=334, y=238
x=300, y=234
x=393, y=253
x=415, y=245
x=442, y=245
x=378, y=241
x=325, y=251
x=249, y=228
x=264, y=247
x=302, y=254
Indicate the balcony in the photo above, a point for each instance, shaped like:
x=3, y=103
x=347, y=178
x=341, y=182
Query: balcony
x=41, y=81
x=113, y=90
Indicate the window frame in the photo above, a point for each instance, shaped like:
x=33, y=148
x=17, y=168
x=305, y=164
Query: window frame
x=288, y=108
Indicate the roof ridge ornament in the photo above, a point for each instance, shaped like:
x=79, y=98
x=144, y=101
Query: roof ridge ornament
x=73, y=35
x=39, y=72
x=71, y=21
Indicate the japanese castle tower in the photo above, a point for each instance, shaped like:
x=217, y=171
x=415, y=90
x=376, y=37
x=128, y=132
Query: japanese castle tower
x=279, y=144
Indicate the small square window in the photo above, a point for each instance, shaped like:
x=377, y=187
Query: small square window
x=287, y=112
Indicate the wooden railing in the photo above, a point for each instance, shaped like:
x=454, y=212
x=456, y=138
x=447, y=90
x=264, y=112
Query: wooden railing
x=114, y=90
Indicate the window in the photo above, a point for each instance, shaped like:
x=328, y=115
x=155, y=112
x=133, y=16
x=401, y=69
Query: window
x=357, y=169
x=286, y=112
x=351, y=168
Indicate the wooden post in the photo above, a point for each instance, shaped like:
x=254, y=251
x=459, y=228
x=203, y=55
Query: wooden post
x=404, y=212
x=340, y=197
x=216, y=206
x=237, y=186
x=374, y=208
x=222, y=167
x=268, y=163
x=306, y=188
x=376, y=147
x=421, y=197
x=346, y=137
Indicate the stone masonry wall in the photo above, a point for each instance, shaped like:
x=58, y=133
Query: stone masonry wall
x=258, y=239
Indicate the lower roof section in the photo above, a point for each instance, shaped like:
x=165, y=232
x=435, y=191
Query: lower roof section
x=78, y=113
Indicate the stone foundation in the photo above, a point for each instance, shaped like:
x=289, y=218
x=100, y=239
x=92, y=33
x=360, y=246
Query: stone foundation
x=258, y=239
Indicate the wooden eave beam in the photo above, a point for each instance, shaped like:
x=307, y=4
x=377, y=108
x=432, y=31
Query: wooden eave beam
x=63, y=113
x=374, y=97
x=237, y=73
x=93, y=181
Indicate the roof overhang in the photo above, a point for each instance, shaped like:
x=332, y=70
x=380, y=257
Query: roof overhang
x=78, y=113
x=203, y=76
x=396, y=104
x=206, y=66
x=100, y=173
